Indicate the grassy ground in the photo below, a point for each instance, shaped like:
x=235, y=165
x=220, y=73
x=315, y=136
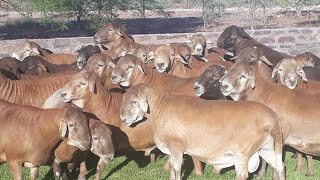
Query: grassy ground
x=137, y=167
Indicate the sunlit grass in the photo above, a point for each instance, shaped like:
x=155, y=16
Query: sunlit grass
x=137, y=167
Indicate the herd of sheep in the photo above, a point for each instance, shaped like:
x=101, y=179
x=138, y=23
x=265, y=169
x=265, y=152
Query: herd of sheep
x=182, y=98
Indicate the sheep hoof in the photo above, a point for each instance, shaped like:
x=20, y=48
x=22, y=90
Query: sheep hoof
x=310, y=173
x=298, y=168
x=216, y=170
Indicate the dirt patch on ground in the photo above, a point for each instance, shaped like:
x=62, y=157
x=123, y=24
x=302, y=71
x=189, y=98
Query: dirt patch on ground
x=181, y=21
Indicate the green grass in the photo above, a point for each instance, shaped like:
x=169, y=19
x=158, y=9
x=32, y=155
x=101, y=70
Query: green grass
x=137, y=167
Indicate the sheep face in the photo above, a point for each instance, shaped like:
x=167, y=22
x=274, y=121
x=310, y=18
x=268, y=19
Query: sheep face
x=288, y=72
x=75, y=129
x=84, y=53
x=252, y=56
x=100, y=64
x=33, y=65
x=30, y=48
x=134, y=106
x=101, y=144
x=238, y=81
x=227, y=40
x=108, y=33
x=125, y=70
x=81, y=85
x=163, y=57
x=198, y=45
x=208, y=81
x=182, y=53
x=139, y=51
x=309, y=59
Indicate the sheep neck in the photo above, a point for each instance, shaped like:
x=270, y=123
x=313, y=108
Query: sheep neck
x=105, y=105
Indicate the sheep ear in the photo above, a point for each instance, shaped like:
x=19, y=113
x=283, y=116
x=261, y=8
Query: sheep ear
x=63, y=129
x=111, y=64
x=92, y=86
x=80, y=49
x=15, y=55
x=140, y=68
x=274, y=71
x=39, y=51
x=252, y=81
x=204, y=59
x=181, y=59
x=144, y=105
x=302, y=74
x=221, y=79
x=243, y=34
x=265, y=60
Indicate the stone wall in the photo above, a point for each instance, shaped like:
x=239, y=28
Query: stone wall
x=292, y=41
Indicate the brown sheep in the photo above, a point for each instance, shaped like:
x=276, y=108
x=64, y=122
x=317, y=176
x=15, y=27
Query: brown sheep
x=102, y=65
x=179, y=121
x=130, y=71
x=30, y=92
x=198, y=44
x=86, y=91
x=254, y=56
x=235, y=39
x=291, y=74
x=11, y=65
x=84, y=53
x=113, y=38
x=37, y=65
x=207, y=85
x=308, y=59
x=178, y=61
x=32, y=48
x=36, y=132
x=296, y=109
x=101, y=145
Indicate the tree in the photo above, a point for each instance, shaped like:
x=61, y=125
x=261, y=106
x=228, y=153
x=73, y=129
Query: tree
x=141, y=6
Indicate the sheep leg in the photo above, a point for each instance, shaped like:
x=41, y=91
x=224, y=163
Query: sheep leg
x=34, y=172
x=147, y=152
x=263, y=170
x=56, y=169
x=16, y=170
x=241, y=167
x=100, y=166
x=298, y=162
x=197, y=167
x=310, y=171
x=175, y=158
x=167, y=166
x=70, y=167
x=83, y=171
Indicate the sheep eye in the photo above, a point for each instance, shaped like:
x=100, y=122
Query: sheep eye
x=100, y=65
x=71, y=125
x=82, y=84
x=96, y=138
x=280, y=70
x=135, y=102
x=242, y=77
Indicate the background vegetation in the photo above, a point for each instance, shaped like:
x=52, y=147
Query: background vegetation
x=56, y=14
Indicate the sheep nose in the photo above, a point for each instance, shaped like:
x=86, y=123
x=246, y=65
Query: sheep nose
x=63, y=95
x=160, y=64
x=224, y=86
x=114, y=77
x=95, y=36
x=199, y=49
